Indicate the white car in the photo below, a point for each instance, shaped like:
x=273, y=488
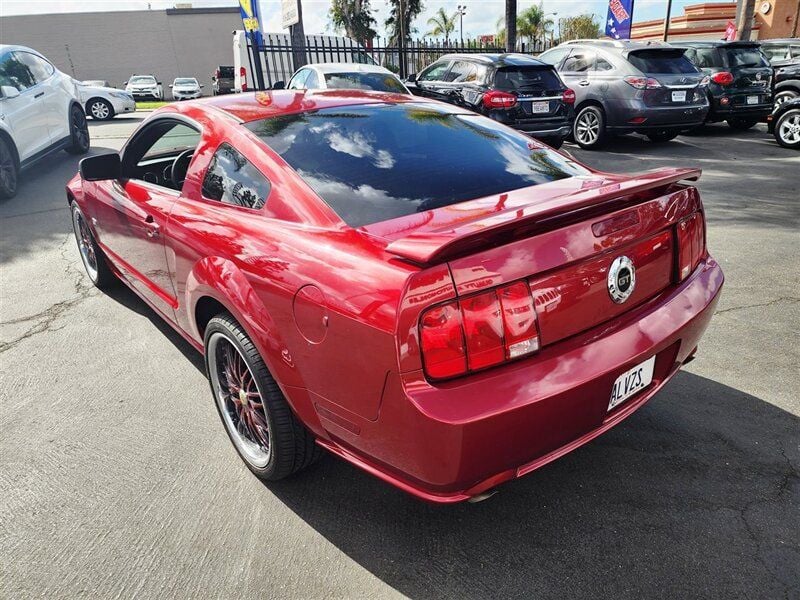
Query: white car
x=144, y=86
x=103, y=103
x=40, y=112
x=185, y=88
x=345, y=76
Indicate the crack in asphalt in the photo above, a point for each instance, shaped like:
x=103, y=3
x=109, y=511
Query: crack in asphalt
x=790, y=299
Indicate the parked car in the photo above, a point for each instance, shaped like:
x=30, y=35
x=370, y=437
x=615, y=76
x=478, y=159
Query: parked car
x=784, y=56
x=427, y=293
x=143, y=87
x=222, y=80
x=740, y=85
x=104, y=103
x=40, y=113
x=97, y=83
x=784, y=123
x=624, y=87
x=185, y=88
x=514, y=89
x=344, y=76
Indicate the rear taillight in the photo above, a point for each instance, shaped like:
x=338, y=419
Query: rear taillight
x=495, y=99
x=243, y=76
x=691, y=244
x=478, y=331
x=568, y=96
x=643, y=83
x=722, y=78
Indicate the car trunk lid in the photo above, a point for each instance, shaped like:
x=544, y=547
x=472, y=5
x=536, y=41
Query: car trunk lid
x=679, y=79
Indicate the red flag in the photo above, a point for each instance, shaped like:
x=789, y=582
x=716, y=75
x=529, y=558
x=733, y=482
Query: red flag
x=730, y=31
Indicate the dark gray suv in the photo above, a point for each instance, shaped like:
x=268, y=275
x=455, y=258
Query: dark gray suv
x=624, y=87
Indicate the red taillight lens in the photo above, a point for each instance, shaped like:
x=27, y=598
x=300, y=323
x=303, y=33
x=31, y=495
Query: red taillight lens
x=243, y=75
x=722, y=78
x=643, y=83
x=495, y=99
x=479, y=331
x=568, y=96
x=442, y=340
x=691, y=244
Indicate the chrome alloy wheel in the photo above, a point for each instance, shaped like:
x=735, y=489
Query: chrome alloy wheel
x=85, y=243
x=785, y=96
x=587, y=128
x=240, y=400
x=789, y=129
x=100, y=110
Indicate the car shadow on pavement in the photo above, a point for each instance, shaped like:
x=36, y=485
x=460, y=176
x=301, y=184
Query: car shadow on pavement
x=696, y=495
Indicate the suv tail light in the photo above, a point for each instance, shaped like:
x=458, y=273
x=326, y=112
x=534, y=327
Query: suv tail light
x=568, y=96
x=643, y=83
x=496, y=99
x=722, y=78
x=479, y=331
x=691, y=244
x=243, y=75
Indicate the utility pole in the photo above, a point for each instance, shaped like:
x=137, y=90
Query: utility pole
x=744, y=23
x=666, y=20
x=298, y=37
x=461, y=11
x=401, y=41
x=511, y=25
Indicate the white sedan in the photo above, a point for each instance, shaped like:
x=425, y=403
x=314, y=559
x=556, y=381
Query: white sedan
x=345, y=76
x=103, y=103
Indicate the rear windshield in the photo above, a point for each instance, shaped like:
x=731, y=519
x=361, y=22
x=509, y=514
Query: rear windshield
x=226, y=71
x=527, y=79
x=659, y=61
x=745, y=57
x=364, y=81
x=378, y=162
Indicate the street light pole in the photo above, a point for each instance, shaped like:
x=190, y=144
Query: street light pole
x=461, y=11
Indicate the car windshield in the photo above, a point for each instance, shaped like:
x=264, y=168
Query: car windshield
x=185, y=81
x=745, y=56
x=382, y=82
x=661, y=61
x=378, y=162
x=527, y=79
x=142, y=80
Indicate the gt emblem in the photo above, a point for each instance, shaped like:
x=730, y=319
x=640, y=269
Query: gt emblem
x=621, y=279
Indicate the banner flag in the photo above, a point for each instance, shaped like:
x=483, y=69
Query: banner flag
x=618, y=21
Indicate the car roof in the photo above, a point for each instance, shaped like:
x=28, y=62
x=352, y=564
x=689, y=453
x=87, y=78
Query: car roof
x=494, y=58
x=712, y=43
x=252, y=106
x=348, y=68
x=11, y=47
x=620, y=45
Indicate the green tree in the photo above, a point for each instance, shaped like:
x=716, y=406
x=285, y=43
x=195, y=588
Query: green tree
x=533, y=24
x=581, y=27
x=354, y=17
x=442, y=24
x=401, y=16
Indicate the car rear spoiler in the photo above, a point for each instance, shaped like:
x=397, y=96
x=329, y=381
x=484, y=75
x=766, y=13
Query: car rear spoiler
x=429, y=246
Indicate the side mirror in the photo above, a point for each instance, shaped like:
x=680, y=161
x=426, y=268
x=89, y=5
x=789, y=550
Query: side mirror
x=101, y=167
x=202, y=85
x=279, y=85
x=412, y=78
x=9, y=91
x=158, y=82
x=124, y=83
x=213, y=78
x=170, y=85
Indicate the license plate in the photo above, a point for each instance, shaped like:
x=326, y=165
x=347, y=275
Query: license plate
x=540, y=107
x=631, y=381
x=752, y=99
x=679, y=96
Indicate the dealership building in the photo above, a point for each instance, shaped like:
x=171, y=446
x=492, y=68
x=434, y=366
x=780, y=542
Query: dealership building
x=176, y=42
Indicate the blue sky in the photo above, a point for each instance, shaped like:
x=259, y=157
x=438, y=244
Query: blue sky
x=480, y=19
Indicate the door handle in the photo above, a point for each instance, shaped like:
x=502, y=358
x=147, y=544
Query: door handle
x=583, y=83
x=152, y=230
x=39, y=95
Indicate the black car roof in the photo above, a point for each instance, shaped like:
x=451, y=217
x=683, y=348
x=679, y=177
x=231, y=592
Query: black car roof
x=712, y=44
x=498, y=59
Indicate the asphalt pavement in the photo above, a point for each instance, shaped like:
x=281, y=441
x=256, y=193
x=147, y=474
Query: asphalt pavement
x=117, y=480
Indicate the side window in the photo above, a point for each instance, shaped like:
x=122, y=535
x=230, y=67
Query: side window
x=298, y=81
x=40, y=67
x=312, y=81
x=176, y=139
x=579, y=61
x=795, y=50
x=15, y=73
x=705, y=58
x=554, y=56
x=232, y=179
x=461, y=72
x=160, y=153
x=435, y=72
x=603, y=65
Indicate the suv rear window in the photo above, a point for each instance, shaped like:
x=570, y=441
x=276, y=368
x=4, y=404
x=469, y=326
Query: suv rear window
x=527, y=79
x=378, y=162
x=660, y=61
x=745, y=56
x=226, y=72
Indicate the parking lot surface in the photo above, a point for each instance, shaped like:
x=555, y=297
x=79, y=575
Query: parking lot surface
x=117, y=480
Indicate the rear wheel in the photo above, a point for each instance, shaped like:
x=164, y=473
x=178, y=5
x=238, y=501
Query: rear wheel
x=94, y=261
x=787, y=129
x=590, y=128
x=662, y=135
x=79, y=131
x=256, y=416
x=785, y=96
x=9, y=170
x=740, y=124
x=100, y=109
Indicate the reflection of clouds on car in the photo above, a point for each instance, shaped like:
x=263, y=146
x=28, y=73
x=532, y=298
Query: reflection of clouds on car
x=232, y=179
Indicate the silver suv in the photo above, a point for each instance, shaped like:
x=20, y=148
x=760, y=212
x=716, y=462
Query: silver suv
x=624, y=87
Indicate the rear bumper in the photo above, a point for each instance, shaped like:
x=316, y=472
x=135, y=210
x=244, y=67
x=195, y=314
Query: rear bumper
x=450, y=442
x=621, y=113
x=758, y=112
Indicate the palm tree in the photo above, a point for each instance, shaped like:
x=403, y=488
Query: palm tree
x=442, y=24
x=533, y=23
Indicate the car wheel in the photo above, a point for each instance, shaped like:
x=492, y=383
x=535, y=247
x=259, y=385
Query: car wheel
x=100, y=109
x=9, y=170
x=79, y=131
x=787, y=129
x=589, y=130
x=256, y=416
x=785, y=96
x=94, y=261
x=741, y=124
x=663, y=135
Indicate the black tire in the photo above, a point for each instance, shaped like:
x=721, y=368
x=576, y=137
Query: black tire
x=740, y=124
x=787, y=129
x=79, y=131
x=100, y=274
x=589, y=130
x=100, y=109
x=9, y=169
x=662, y=135
x=785, y=95
x=291, y=446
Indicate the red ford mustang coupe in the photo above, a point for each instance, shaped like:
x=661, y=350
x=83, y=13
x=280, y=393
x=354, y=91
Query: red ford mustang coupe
x=436, y=298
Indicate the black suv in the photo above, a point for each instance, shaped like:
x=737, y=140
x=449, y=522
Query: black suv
x=740, y=86
x=784, y=56
x=515, y=89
